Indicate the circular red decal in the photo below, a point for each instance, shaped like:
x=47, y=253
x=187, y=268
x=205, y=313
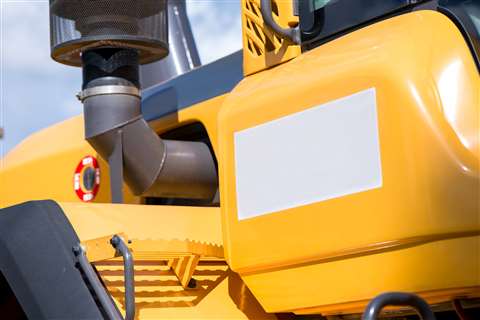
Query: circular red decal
x=86, y=180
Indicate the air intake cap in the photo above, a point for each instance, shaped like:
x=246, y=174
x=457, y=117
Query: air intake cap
x=80, y=25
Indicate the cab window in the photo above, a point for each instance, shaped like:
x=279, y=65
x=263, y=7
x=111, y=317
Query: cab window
x=320, y=20
x=466, y=14
x=324, y=20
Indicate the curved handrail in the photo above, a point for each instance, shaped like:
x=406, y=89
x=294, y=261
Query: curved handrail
x=397, y=299
x=292, y=34
x=118, y=243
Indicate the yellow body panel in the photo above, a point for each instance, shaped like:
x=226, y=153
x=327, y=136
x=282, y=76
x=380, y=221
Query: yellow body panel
x=144, y=222
x=428, y=103
x=220, y=295
x=432, y=270
x=48, y=158
x=43, y=166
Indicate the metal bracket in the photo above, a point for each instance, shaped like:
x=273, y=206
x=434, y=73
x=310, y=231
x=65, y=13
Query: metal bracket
x=100, y=249
x=398, y=299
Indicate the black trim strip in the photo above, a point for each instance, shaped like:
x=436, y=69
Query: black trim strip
x=345, y=16
x=463, y=24
x=201, y=84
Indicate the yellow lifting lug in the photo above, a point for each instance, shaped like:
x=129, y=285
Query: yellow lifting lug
x=100, y=249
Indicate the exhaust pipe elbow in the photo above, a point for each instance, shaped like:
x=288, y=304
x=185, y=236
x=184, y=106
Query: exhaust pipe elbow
x=151, y=166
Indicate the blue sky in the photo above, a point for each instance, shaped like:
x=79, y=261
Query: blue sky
x=36, y=92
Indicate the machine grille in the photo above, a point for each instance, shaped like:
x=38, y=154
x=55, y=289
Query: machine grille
x=259, y=40
x=262, y=47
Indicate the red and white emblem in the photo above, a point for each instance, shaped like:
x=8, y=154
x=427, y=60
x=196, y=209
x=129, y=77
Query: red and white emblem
x=86, y=180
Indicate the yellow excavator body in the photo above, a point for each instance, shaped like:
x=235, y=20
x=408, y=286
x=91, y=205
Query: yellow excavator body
x=415, y=228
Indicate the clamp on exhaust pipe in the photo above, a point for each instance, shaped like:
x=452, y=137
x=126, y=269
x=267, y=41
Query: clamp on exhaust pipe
x=107, y=90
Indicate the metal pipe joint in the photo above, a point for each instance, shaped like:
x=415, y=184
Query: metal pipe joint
x=150, y=166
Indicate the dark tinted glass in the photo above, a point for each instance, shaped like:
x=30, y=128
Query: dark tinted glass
x=321, y=19
x=466, y=13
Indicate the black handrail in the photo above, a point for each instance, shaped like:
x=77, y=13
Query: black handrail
x=109, y=307
x=397, y=299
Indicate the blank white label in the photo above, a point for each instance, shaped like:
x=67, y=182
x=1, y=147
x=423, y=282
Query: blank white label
x=321, y=153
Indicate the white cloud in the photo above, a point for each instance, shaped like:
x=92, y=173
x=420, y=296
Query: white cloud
x=36, y=91
x=26, y=38
x=216, y=26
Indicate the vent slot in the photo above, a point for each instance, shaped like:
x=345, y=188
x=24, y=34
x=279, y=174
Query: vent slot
x=262, y=47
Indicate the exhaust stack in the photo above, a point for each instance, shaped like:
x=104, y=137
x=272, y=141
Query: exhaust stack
x=109, y=39
x=183, y=55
